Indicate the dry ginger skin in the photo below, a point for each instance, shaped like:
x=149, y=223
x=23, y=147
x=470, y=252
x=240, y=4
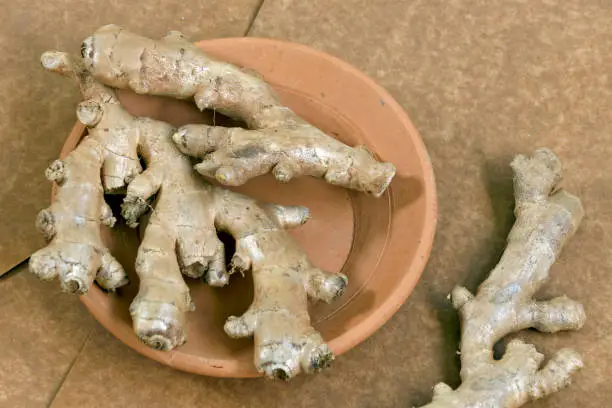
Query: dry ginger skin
x=180, y=235
x=545, y=220
x=278, y=140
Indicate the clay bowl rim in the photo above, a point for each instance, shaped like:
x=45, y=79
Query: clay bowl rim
x=357, y=333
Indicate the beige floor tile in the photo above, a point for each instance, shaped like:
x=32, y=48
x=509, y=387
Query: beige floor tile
x=42, y=330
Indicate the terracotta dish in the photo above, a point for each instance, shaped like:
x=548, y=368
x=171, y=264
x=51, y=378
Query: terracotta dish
x=381, y=244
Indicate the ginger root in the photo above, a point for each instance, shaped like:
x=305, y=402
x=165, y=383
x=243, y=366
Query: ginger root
x=545, y=220
x=181, y=235
x=285, y=342
x=279, y=141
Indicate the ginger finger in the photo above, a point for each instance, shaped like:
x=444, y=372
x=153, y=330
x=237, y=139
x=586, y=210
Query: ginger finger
x=290, y=151
x=175, y=67
x=159, y=310
x=75, y=251
x=285, y=341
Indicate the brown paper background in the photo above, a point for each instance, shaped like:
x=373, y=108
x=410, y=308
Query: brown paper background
x=482, y=82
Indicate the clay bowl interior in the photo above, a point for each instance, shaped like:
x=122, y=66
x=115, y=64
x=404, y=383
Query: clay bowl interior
x=382, y=244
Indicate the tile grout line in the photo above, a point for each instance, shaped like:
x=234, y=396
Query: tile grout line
x=253, y=18
x=14, y=270
x=72, y=365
